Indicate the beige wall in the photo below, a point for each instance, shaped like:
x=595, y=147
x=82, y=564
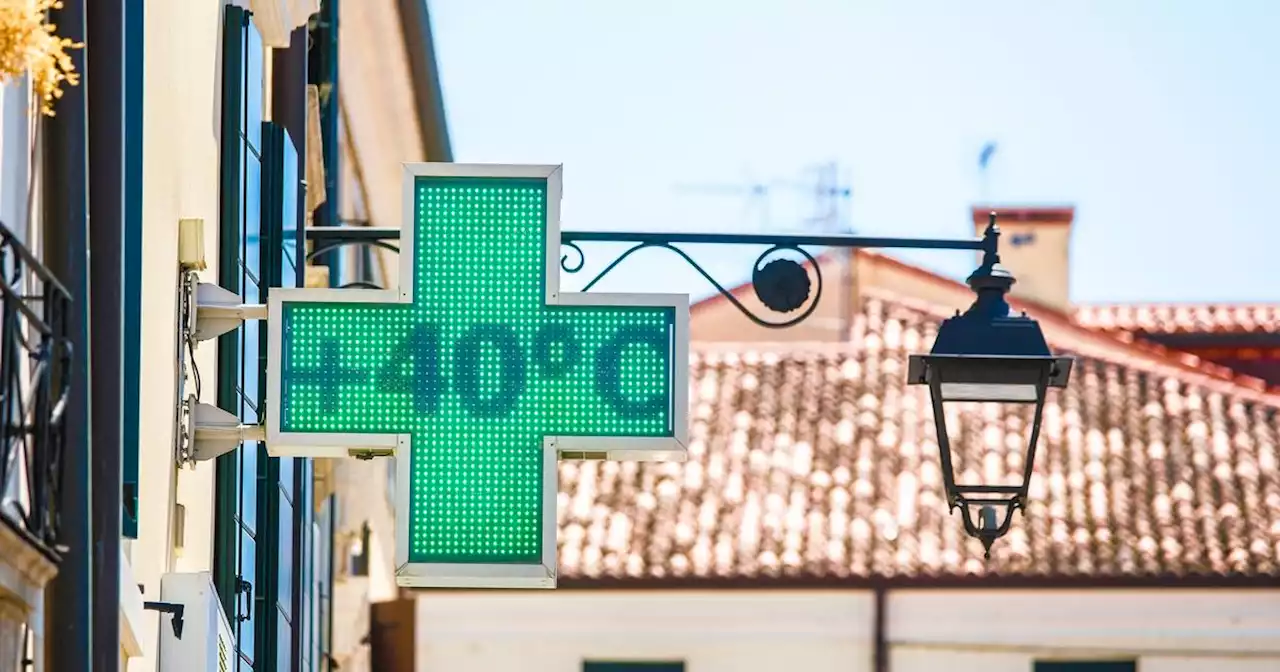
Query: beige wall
x=1035, y=245
x=1166, y=630
x=828, y=631
x=378, y=103
x=180, y=176
x=710, y=631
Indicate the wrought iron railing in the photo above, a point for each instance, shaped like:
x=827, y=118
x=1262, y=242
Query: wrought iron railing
x=35, y=356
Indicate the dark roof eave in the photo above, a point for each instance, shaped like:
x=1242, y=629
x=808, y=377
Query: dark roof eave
x=428, y=94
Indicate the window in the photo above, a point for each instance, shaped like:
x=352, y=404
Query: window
x=265, y=547
x=236, y=519
x=1085, y=666
x=283, y=496
x=590, y=666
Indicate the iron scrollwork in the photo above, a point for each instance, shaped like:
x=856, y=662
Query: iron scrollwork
x=35, y=368
x=782, y=284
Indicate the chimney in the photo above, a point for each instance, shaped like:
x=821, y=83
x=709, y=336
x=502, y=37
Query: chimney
x=1035, y=246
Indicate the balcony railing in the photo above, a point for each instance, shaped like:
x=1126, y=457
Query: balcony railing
x=35, y=357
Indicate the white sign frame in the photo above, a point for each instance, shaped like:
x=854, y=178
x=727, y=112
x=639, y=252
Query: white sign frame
x=338, y=445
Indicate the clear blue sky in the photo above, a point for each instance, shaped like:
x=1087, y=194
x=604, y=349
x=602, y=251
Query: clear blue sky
x=1158, y=119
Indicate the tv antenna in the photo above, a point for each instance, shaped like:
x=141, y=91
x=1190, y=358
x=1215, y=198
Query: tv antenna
x=823, y=182
x=984, y=164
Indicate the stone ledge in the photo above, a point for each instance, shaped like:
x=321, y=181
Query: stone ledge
x=25, y=567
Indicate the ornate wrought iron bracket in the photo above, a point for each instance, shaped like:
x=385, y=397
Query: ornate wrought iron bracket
x=780, y=282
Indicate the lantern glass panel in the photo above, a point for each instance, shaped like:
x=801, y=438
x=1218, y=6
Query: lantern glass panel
x=987, y=443
x=1004, y=392
x=991, y=379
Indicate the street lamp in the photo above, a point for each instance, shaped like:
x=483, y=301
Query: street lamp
x=988, y=355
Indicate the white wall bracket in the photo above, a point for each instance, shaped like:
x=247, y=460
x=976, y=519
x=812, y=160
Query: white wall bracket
x=217, y=432
x=219, y=310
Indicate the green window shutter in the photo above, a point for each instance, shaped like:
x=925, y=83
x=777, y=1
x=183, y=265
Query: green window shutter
x=132, y=290
x=226, y=496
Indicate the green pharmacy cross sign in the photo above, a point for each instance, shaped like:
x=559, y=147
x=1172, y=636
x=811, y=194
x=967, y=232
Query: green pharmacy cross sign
x=479, y=374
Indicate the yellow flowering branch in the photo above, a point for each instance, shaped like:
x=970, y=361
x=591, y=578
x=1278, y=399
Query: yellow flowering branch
x=29, y=44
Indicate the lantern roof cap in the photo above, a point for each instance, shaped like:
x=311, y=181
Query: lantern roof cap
x=988, y=333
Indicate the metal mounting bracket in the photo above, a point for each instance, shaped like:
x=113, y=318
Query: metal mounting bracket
x=370, y=453
x=171, y=608
x=217, y=432
x=219, y=310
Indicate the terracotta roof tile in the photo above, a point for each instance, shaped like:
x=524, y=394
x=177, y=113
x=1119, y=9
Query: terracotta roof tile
x=1182, y=318
x=818, y=461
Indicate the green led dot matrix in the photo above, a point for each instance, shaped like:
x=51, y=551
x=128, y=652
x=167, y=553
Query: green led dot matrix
x=480, y=370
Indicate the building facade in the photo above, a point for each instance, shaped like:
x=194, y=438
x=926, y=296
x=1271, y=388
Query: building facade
x=806, y=530
x=904, y=630
x=233, y=537
x=294, y=144
x=242, y=124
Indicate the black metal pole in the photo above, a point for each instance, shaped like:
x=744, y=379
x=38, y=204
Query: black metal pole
x=880, y=635
x=332, y=552
x=289, y=109
x=987, y=242
x=105, y=88
x=352, y=233
x=323, y=71
x=780, y=240
x=65, y=187
x=289, y=89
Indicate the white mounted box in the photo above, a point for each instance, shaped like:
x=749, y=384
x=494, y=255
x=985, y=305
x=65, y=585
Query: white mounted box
x=207, y=644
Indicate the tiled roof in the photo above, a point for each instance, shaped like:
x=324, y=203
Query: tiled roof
x=1182, y=318
x=817, y=461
